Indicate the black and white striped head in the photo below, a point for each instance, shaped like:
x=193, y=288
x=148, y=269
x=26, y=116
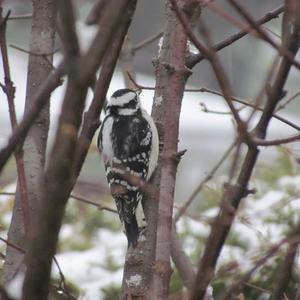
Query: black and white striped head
x=124, y=102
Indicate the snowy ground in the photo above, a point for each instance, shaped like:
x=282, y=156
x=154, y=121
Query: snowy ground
x=88, y=271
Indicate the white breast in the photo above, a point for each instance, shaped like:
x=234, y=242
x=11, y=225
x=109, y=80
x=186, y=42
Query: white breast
x=155, y=144
x=107, y=149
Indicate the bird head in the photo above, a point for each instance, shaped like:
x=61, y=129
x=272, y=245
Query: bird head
x=124, y=102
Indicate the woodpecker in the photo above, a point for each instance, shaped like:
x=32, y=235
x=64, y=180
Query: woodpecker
x=128, y=141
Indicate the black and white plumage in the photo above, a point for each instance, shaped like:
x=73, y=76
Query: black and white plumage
x=128, y=141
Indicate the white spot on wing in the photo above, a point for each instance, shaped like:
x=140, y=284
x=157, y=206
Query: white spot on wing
x=154, y=146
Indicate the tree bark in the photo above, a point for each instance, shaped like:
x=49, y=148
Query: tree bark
x=171, y=74
x=34, y=148
x=58, y=179
x=234, y=193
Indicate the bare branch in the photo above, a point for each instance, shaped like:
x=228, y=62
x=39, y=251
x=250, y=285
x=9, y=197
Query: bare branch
x=218, y=69
x=285, y=273
x=96, y=12
x=234, y=193
x=33, y=53
x=126, y=62
x=192, y=60
x=41, y=98
x=58, y=179
x=293, y=241
x=21, y=17
x=147, y=41
x=181, y=211
x=276, y=142
x=91, y=117
x=281, y=50
x=9, y=90
x=171, y=78
x=181, y=261
x=98, y=205
x=62, y=287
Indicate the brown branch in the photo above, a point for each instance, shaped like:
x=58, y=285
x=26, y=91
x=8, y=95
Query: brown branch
x=9, y=90
x=263, y=34
x=63, y=287
x=218, y=70
x=292, y=241
x=205, y=109
x=171, y=78
x=21, y=17
x=258, y=288
x=79, y=198
x=63, y=283
x=238, y=100
x=182, y=262
x=41, y=98
x=285, y=272
x=67, y=33
x=216, y=8
x=58, y=179
x=234, y=99
x=234, y=193
x=181, y=211
x=126, y=62
x=288, y=101
x=33, y=53
x=92, y=115
x=34, y=148
x=147, y=41
x=275, y=142
x=192, y=60
x=98, y=205
x=96, y=12
x=12, y=245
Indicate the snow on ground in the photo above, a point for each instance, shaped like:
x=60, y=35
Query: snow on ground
x=85, y=268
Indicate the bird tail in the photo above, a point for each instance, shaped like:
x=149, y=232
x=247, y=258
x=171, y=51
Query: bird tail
x=132, y=232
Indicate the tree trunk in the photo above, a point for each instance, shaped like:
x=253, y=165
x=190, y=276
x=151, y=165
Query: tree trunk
x=171, y=76
x=39, y=67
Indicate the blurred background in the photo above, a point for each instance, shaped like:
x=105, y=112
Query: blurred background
x=205, y=135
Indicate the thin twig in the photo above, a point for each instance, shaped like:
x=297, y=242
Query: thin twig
x=147, y=41
x=294, y=240
x=258, y=288
x=33, y=53
x=275, y=142
x=63, y=284
x=218, y=70
x=63, y=288
x=9, y=90
x=21, y=17
x=98, y=205
x=288, y=101
x=238, y=100
x=234, y=193
x=41, y=98
x=263, y=34
x=79, y=198
x=235, y=99
x=205, y=109
x=192, y=60
x=181, y=211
